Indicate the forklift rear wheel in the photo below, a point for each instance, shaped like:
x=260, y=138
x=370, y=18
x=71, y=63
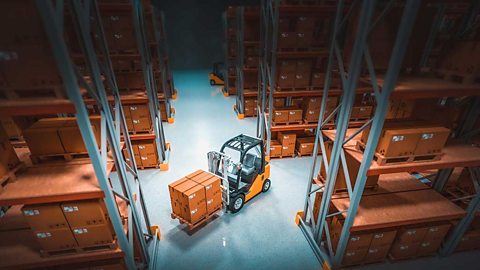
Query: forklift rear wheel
x=212, y=82
x=266, y=185
x=237, y=203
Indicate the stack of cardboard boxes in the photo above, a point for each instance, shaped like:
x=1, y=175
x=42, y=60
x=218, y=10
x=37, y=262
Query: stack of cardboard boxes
x=68, y=225
x=311, y=108
x=363, y=247
x=287, y=115
x=196, y=196
x=145, y=152
x=419, y=241
x=250, y=107
x=138, y=118
x=287, y=140
x=294, y=74
x=400, y=139
x=58, y=136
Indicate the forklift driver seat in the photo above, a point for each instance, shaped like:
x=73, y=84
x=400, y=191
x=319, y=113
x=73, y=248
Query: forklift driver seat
x=248, y=168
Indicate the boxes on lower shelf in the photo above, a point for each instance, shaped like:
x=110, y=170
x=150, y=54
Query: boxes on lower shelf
x=138, y=118
x=275, y=149
x=145, y=152
x=195, y=196
x=61, y=226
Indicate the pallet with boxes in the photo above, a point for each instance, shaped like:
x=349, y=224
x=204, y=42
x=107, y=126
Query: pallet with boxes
x=196, y=198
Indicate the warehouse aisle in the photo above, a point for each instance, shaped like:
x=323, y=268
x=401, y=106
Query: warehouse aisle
x=263, y=235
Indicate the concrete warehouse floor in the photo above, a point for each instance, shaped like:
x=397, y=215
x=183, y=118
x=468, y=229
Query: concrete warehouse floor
x=263, y=235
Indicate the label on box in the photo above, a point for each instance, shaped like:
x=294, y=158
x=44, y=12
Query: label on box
x=144, y=158
x=412, y=232
x=80, y=231
x=209, y=202
x=191, y=196
x=133, y=108
x=43, y=235
x=293, y=112
x=350, y=253
x=136, y=121
x=208, y=187
x=398, y=138
x=285, y=147
x=378, y=235
x=403, y=247
x=141, y=147
x=277, y=113
x=355, y=238
x=375, y=250
x=425, y=244
x=33, y=212
x=427, y=136
x=69, y=209
x=304, y=146
x=433, y=229
x=193, y=211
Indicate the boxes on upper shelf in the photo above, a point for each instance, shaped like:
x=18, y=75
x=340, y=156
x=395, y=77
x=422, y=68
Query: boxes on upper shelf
x=145, y=152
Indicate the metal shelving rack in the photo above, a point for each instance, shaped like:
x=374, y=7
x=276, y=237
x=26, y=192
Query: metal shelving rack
x=140, y=239
x=239, y=38
x=163, y=148
x=317, y=231
x=229, y=59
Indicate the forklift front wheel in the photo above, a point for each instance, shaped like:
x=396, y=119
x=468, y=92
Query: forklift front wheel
x=237, y=203
x=266, y=185
x=212, y=82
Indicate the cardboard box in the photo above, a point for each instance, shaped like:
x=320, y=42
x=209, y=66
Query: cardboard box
x=287, y=40
x=251, y=102
x=46, y=217
x=432, y=140
x=275, y=149
x=278, y=102
x=287, y=139
x=288, y=150
x=287, y=66
x=353, y=166
x=304, y=39
x=141, y=119
x=305, y=24
x=361, y=112
x=148, y=153
x=411, y=235
x=395, y=142
x=470, y=240
x=136, y=154
x=286, y=80
x=85, y=213
x=312, y=103
x=377, y=254
x=128, y=116
x=352, y=257
x=72, y=140
x=42, y=137
x=280, y=115
x=250, y=111
x=93, y=235
x=295, y=114
x=311, y=116
x=192, y=200
x=55, y=239
x=404, y=250
x=429, y=247
x=384, y=238
x=213, y=191
x=436, y=232
x=302, y=80
x=305, y=145
x=174, y=196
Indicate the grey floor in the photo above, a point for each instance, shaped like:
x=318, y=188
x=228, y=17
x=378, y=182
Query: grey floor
x=263, y=235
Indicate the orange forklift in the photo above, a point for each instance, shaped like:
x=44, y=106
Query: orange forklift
x=216, y=76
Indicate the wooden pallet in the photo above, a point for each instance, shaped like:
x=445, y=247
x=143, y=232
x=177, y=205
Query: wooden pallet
x=287, y=123
x=11, y=176
x=50, y=253
x=134, y=132
x=140, y=167
x=292, y=89
x=281, y=156
x=382, y=160
x=203, y=221
x=300, y=155
x=56, y=157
